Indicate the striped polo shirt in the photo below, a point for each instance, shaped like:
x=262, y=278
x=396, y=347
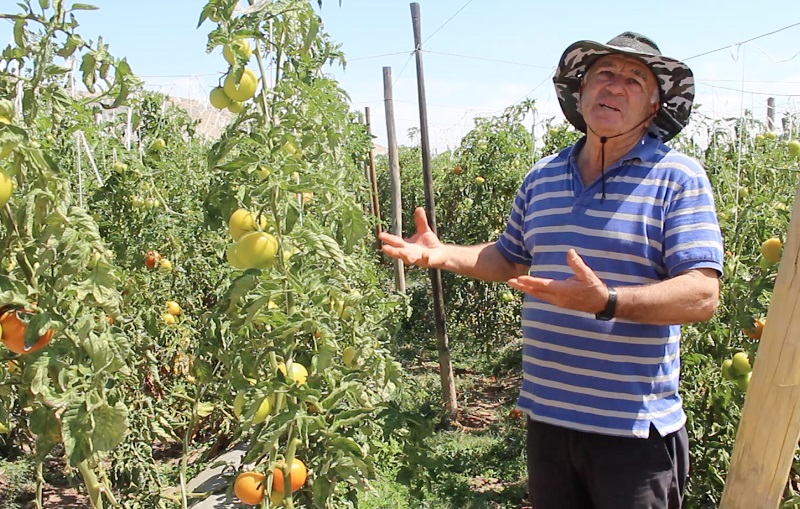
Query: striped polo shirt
x=657, y=220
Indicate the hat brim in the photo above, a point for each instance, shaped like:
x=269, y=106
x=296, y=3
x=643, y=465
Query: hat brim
x=675, y=80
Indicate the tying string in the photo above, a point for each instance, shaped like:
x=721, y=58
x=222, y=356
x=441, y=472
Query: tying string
x=603, y=140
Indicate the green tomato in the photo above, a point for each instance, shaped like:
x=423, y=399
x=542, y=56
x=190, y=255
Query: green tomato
x=743, y=382
x=238, y=404
x=741, y=363
x=263, y=412
x=728, y=372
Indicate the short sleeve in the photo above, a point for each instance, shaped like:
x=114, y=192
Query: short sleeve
x=692, y=237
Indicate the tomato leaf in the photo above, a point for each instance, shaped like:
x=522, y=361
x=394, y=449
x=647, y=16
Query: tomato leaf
x=110, y=426
x=122, y=96
x=76, y=430
x=45, y=426
x=311, y=35
x=37, y=376
x=205, y=409
x=240, y=287
x=88, y=65
x=19, y=33
x=36, y=327
x=322, y=490
x=12, y=291
x=83, y=7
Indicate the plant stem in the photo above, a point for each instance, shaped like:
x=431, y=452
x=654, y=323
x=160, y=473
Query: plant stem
x=93, y=486
x=39, y=485
x=187, y=440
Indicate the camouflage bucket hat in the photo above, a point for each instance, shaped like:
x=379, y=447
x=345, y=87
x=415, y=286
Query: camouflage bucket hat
x=675, y=79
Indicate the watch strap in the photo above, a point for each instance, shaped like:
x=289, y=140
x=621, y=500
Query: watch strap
x=611, y=306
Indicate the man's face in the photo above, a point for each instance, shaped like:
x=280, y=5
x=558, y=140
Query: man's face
x=617, y=94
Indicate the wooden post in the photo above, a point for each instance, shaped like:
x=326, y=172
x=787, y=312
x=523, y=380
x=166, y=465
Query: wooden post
x=442, y=342
x=376, y=209
x=394, y=173
x=771, y=113
x=770, y=426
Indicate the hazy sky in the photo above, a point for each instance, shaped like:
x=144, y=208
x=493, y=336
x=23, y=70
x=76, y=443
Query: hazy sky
x=491, y=54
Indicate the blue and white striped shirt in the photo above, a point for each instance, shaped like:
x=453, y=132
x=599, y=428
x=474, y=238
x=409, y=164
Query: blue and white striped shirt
x=657, y=220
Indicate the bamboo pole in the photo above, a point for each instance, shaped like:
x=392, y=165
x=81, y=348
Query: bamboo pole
x=770, y=426
x=442, y=341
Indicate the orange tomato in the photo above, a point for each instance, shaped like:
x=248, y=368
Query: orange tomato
x=13, y=335
x=757, y=330
x=297, y=475
x=249, y=487
x=516, y=414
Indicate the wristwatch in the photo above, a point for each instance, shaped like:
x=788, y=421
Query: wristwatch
x=611, y=306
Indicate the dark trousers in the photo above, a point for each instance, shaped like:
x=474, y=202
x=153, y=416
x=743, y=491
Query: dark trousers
x=570, y=469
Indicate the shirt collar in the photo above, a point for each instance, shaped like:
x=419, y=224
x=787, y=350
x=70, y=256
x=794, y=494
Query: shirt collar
x=644, y=150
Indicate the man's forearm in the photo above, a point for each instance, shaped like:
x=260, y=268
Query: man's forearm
x=688, y=298
x=482, y=261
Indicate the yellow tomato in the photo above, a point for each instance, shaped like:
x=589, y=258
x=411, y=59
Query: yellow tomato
x=243, y=221
x=299, y=373
x=166, y=264
x=173, y=308
x=242, y=91
x=236, y=106
x=6, y=187
x=238, y=47
x=219, y=99
x=168, y=318
x=257, y=250
x=349, y=356
x=771, y=250
x=232, y=255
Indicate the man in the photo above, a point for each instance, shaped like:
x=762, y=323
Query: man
x=615, y=243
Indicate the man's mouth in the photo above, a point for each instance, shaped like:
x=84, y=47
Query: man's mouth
x=608, y=106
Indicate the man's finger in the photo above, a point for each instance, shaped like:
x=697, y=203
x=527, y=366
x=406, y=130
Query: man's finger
x=390, y=239
x=421, y=220
x=395, y=252
x=578, y=266
x=530, y=283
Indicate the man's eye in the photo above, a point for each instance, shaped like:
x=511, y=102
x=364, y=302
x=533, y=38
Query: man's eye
x=633, y=81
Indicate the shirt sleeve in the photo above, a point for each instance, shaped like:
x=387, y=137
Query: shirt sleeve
x=692, y=237
x=511, y=243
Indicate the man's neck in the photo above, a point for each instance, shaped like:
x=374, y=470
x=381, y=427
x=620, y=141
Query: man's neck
x=589, y=158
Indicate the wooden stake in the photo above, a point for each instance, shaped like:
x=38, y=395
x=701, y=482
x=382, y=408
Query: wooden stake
x=376, y=209
x=770, y=427
x=771, y=113
x=394, y=173
x=442, y=342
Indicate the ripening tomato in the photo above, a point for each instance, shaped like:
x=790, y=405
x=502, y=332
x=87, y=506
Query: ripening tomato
x=297, y=476
x=13, y=333
x=249, y=487
x=151, y=258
